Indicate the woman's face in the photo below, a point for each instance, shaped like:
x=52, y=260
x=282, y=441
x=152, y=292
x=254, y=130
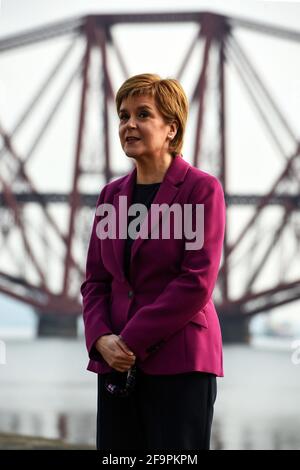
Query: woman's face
x=140, y=118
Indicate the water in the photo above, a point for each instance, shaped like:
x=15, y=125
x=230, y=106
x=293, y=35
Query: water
x=258, y=403
x=46, y=391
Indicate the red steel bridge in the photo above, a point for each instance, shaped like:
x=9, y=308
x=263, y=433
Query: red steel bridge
x=29, y=263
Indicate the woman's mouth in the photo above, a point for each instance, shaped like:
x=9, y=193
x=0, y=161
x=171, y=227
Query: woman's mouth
x=132, y=140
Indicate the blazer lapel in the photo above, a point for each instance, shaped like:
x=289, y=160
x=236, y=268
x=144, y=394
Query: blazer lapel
x=167, y=192
x=126, y=190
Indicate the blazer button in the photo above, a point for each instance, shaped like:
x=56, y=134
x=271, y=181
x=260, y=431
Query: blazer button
x=130, y=294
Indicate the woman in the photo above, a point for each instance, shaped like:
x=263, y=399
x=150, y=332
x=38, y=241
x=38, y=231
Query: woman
x=151, y=328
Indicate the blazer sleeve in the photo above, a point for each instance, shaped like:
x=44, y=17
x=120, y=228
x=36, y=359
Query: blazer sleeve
x=189, y=292
x=96, y=292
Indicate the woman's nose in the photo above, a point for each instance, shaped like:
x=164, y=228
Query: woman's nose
x=131, y=122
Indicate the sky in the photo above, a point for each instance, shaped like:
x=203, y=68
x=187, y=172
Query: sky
x=247, y=145
x=21, y=14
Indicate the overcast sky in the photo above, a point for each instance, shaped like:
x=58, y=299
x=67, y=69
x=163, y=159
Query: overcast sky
x=20, y=14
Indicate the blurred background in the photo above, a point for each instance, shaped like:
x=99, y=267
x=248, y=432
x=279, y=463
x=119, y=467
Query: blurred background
x=61, y=64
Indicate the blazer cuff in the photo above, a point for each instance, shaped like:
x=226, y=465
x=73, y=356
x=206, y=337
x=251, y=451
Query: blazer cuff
x=140, y=352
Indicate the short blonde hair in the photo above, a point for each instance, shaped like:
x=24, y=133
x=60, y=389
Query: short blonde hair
x=169, y=98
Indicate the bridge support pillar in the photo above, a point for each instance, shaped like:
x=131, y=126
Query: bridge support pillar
x=53, y=324
x=235, y=328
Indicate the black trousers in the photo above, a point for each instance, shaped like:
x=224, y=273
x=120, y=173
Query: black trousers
x=164, y=412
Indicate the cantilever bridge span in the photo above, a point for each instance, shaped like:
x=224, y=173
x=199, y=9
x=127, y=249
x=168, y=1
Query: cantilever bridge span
x=44, y=233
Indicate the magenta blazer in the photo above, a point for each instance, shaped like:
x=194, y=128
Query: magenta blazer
x=166, y=315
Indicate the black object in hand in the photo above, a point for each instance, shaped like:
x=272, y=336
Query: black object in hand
x=121, y=384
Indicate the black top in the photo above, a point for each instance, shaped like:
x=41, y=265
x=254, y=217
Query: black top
x=142, y=194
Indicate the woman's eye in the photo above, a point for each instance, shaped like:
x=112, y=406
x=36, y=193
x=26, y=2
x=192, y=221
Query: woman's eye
x=125, y=116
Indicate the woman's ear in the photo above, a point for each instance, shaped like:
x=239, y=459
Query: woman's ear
x=173, y=130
